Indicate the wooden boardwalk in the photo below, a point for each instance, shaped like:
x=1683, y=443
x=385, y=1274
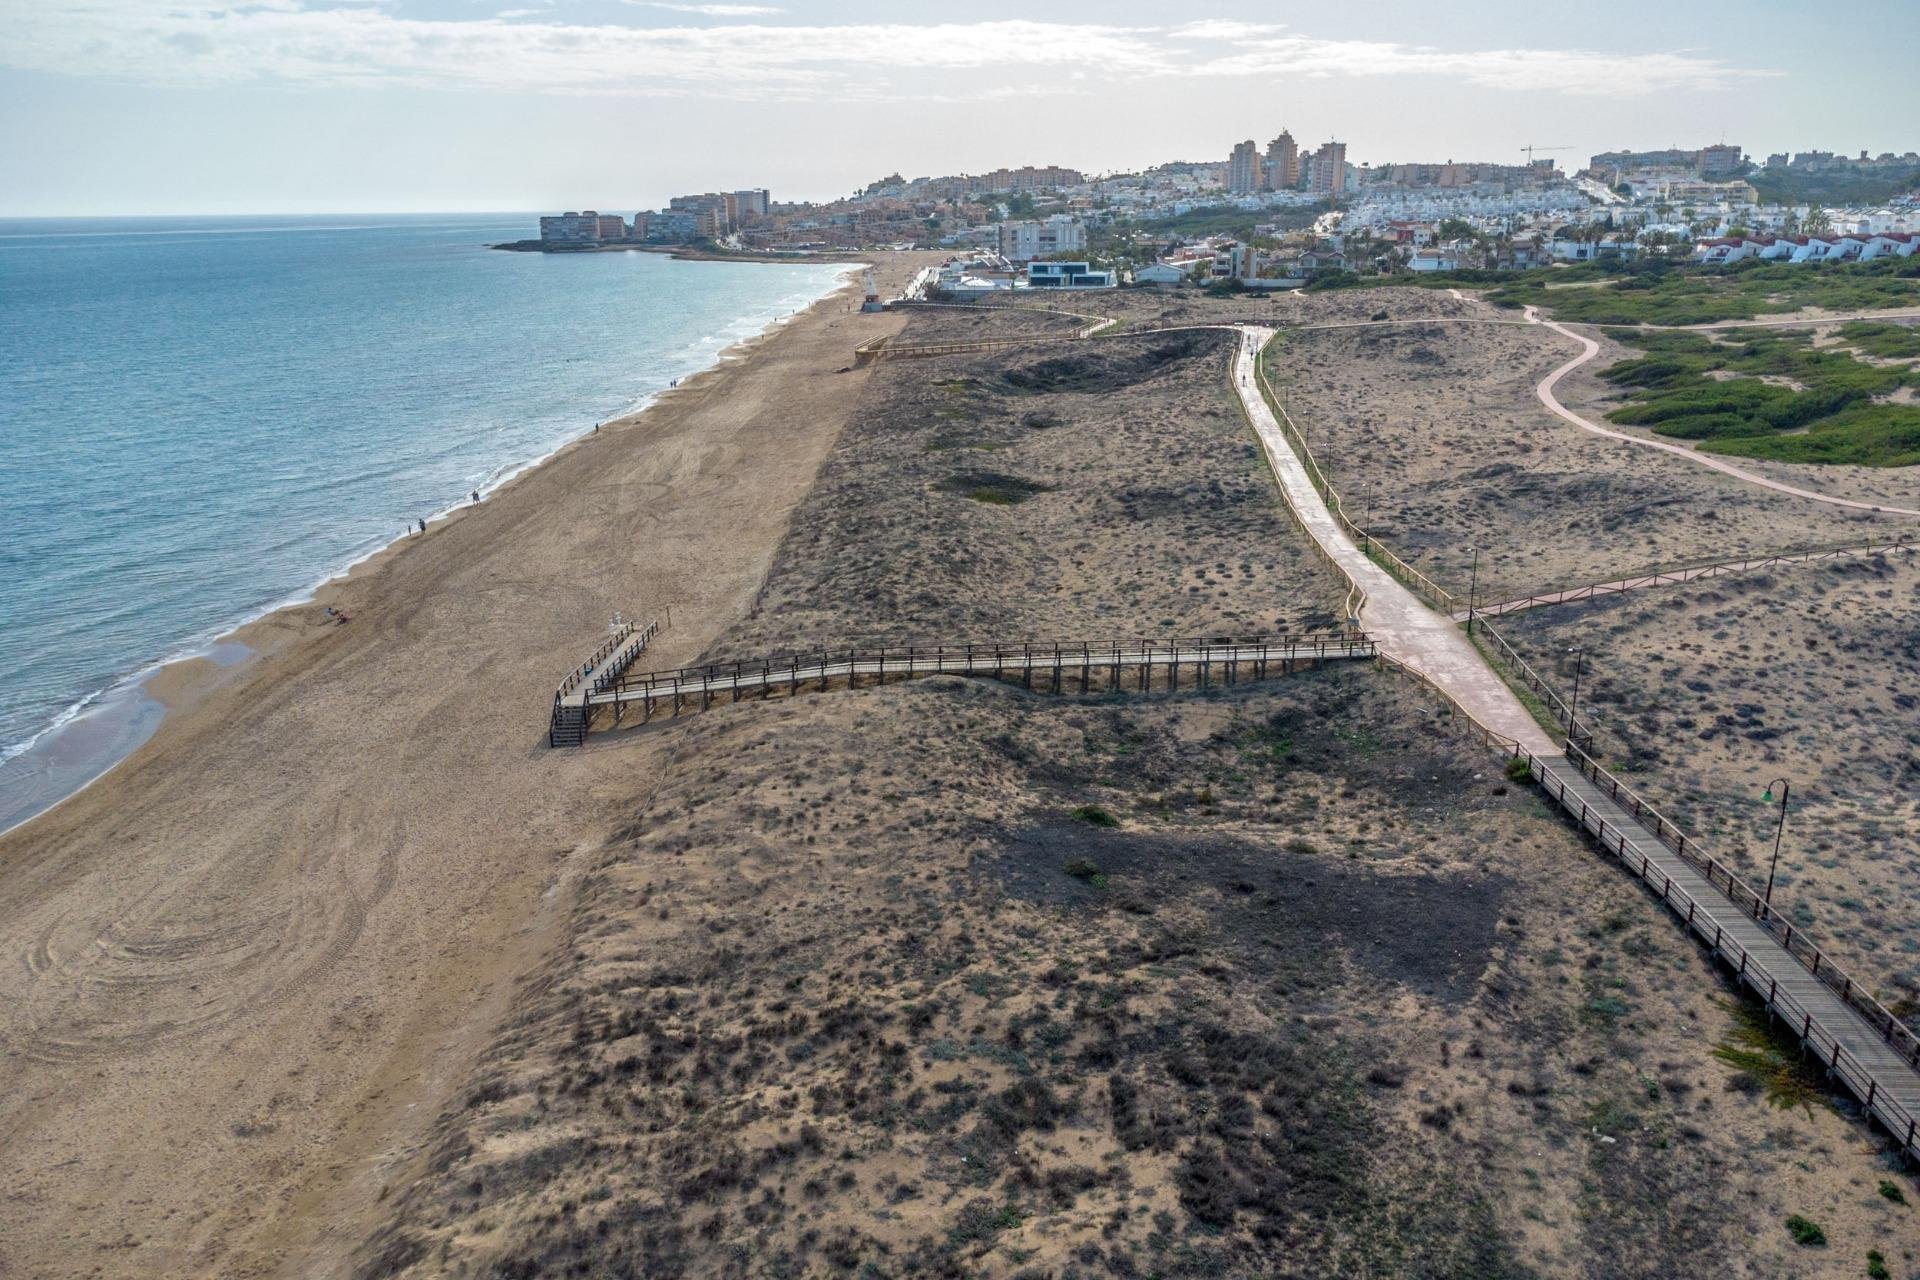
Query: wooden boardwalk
x=567, y=725
x=1083, y=668
x=1861, y=1045
x=1684, y=573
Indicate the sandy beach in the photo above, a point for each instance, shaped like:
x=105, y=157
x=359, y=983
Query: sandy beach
x=252, y=959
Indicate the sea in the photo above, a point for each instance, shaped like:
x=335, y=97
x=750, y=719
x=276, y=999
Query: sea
x=202, y=419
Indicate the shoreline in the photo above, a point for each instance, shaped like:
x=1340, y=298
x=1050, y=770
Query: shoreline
x=261, y=952
x=86, y=741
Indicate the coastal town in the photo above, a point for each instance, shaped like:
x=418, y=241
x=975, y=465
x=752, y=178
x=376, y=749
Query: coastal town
x=1282, y=216
x=1280, y=674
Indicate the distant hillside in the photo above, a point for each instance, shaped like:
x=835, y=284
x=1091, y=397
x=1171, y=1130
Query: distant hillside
x=1847, y=186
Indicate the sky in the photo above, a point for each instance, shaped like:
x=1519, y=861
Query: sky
x=127, y=107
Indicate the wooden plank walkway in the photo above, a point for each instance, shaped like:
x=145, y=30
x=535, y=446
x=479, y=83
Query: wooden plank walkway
x=1114, y=666
x=567, y=725
x=1862, y=1046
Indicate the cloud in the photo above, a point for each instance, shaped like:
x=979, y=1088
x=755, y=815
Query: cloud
x=314, y=43
x=714, y=10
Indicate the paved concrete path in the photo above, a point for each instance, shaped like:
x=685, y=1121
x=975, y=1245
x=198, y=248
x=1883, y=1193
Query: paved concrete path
x=1405, y=629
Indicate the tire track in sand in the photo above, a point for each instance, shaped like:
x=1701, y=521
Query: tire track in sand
x=202, y=954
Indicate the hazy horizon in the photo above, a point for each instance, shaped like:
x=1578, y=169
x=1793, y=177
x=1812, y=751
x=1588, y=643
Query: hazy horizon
x=282, y=107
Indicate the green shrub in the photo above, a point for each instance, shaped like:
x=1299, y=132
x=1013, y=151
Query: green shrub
x=1518, y=770
x=1888, y=341
x=1768, y=1058
x=1869, y=435
x=1095, y=816
x=1653, y=291
x=1806, y=1233
x=1877, y=1266
x=1083, y=869
x=1834, y=412
x=1890, y=1190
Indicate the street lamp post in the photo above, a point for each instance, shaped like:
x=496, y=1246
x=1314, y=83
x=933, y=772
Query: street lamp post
x=1779, y=828
x=1473, y=589
x=1573, y=708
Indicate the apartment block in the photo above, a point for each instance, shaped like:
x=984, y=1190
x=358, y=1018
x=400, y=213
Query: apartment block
x=1720, y=161
x=1243, y=169
x=1282, y=163
x=587, y=227
x=1025, y=241
x=672, y=226
x=1330, y=169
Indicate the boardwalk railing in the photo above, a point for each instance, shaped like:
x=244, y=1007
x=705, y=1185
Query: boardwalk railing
x=1086, y=667
x=887, y=348
x=1691, y=572
x=580, y=674
x=1567, y=722
x=1900, y=1037
x=1774, y=989
x=1415, y=581
x=1088, y=323
x=571, y=716
x=1457, y=715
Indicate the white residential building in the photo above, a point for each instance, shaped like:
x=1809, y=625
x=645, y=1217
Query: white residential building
x=1025, y=241
x=1163, y=273
x=1439, y=258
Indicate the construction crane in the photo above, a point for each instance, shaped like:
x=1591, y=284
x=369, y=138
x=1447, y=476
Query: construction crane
x=1530, y=149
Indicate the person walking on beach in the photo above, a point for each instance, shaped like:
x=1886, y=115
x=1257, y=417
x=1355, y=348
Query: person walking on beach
x=423, y=526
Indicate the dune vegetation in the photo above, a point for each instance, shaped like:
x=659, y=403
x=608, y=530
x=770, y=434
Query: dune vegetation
x=1773, y=395
x=1657, y=292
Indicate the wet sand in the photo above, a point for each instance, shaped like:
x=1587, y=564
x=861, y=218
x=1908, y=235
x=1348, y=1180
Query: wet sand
x=246, y=966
